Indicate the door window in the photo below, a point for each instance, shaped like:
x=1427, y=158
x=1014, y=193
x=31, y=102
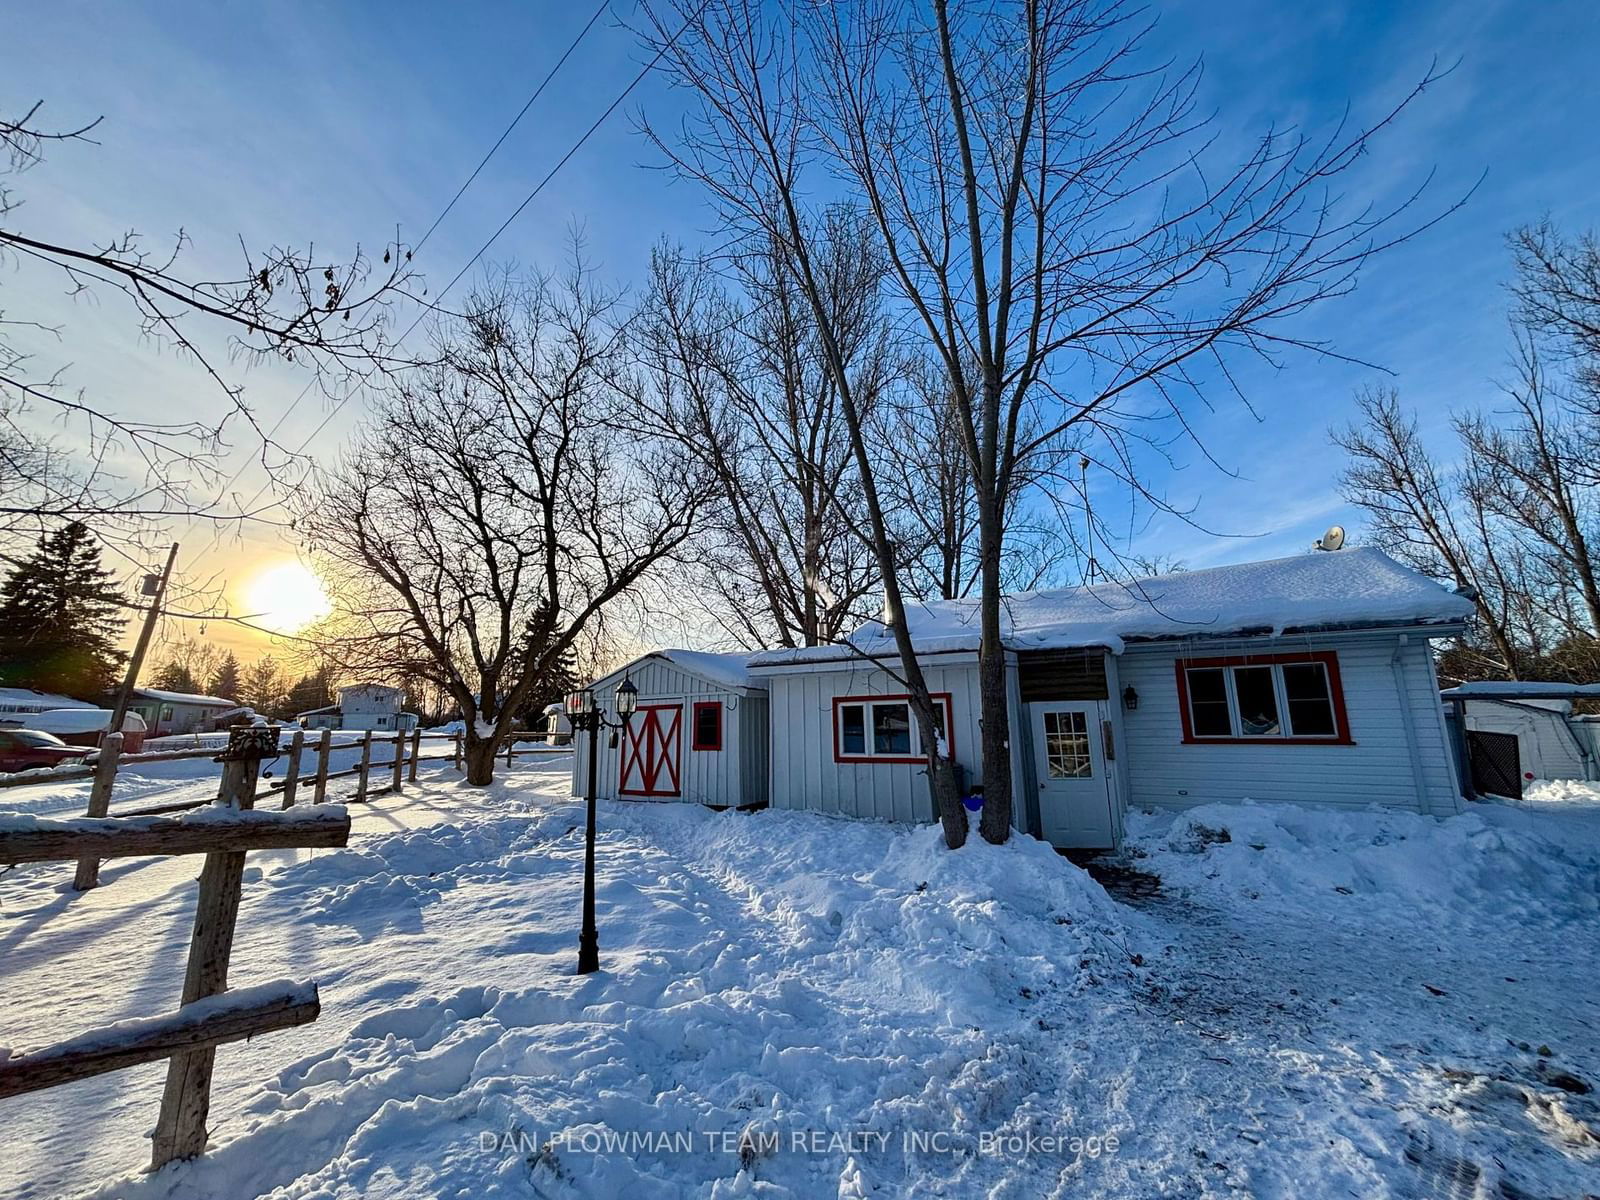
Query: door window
x=1066, y=746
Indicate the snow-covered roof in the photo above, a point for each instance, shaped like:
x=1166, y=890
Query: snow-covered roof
x=1515, y=689
x=1326, y=590
x=181, y=697
x=12, y=695
x=724, y=670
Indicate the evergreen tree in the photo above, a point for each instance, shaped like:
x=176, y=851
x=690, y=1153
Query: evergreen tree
x=560, y=679
x=226, y=682
x=174, y=675
x=264, y=689
x=61, y=617
x=310, y=691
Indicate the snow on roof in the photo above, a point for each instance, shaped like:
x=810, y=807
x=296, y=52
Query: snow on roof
x=1515, y=689
x=12, y=695
x=724, y=670
x=1339, y=589
x=181, y=697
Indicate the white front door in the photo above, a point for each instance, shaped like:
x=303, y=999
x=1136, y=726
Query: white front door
x=1069, y=759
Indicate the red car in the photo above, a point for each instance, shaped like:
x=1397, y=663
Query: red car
x=25, y=749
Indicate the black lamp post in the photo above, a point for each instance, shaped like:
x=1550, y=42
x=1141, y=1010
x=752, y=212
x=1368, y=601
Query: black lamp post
x=588, y=717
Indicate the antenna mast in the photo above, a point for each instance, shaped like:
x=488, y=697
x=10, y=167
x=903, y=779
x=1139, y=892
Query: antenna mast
x=1088, y=516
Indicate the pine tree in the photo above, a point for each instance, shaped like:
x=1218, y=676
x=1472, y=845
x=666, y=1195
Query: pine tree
x=309, y=692
x=263, y=687
x=61, y=617
x=554, y=685
x=174, y=676
x=226, y=682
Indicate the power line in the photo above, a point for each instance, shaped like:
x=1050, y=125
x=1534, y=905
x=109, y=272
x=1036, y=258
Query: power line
x=504, y=225
x=445, y=212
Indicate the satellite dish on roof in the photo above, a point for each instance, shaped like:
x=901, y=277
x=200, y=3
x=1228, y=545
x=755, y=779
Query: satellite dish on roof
x=1333, y=539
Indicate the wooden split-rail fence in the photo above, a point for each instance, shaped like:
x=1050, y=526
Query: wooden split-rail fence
x=209, y=1013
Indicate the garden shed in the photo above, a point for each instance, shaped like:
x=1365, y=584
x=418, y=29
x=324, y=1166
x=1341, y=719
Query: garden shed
x=699, y=734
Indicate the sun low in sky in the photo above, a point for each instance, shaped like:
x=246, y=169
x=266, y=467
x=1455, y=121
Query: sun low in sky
x=285, y=597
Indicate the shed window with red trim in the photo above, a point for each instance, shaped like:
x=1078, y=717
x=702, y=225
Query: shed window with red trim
x=707, y=725
x=882, y=729
x=1295, y=699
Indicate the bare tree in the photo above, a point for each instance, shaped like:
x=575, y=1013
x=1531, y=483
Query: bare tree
x=286, y=304
x=1058, y=226
x=495, y=503
x=740, y=383
x=1412, y=506
x=1537, y=477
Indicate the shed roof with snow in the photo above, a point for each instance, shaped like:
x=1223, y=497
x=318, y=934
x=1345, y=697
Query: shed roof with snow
x=166, y=697
x=1343, y=589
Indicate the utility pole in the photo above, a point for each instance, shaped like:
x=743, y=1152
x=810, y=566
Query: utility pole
x=156, y=586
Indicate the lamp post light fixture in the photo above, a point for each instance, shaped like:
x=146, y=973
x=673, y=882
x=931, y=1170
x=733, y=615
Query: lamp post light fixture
x=1130, y=698
x=587, y=716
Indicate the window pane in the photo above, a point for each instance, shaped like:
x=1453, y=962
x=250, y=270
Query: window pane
x=708, y=726
x=853, y=729
x=1066, y=746
x=1258, y=702
x=1310, y=704
x=1208, y=703
x=891, y=729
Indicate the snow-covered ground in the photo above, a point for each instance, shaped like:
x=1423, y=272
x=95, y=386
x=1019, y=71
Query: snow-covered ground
x=1310, y=1004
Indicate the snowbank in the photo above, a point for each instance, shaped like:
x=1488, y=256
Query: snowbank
x=1387, y=864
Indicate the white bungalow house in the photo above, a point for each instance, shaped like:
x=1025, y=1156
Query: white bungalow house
x=1299, y=679
x=373, y=706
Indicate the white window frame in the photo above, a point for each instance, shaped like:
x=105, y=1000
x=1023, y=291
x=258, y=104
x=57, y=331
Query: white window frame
x=867, y=704
x=1286, y=730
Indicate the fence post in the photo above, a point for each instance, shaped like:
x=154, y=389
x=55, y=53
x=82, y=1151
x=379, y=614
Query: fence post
x=105, y=776
x=291, y=773
x=185, y=1104
x=323, y=748
x=399, y=762
x=511, y=743
x=416, y=750
x=458, y=752
x=366, y=763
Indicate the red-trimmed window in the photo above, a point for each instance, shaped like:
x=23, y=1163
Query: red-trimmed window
x=1278, y=699
x=707, y=725
x=881, y=729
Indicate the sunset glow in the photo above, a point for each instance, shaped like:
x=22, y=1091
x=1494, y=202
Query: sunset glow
x=285, y=598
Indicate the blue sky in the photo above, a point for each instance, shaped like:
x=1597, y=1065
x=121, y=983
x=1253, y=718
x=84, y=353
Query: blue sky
x=333, y=122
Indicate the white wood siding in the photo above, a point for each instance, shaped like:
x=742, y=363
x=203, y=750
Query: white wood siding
x=717, y=777
x=1377, y=769
x=1547, y=745
x=804, y=774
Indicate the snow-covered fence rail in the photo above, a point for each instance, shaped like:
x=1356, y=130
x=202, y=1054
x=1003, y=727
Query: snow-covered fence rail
x=213, y=1021
x=208, y=1014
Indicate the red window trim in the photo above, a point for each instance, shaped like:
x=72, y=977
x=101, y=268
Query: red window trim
x=1330, y=663
x=694, y=734
x=949, y=728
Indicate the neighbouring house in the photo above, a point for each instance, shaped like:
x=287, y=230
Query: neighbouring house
x=700, y=733
x=20, y=701
x=175, y=712
x=1514, y=732
x=374, y=706
x=1299, y=679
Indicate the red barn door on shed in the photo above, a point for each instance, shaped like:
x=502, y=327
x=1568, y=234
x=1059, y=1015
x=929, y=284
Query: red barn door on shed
x=650, y=748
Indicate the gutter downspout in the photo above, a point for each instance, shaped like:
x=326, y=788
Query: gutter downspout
x=1408, y=721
